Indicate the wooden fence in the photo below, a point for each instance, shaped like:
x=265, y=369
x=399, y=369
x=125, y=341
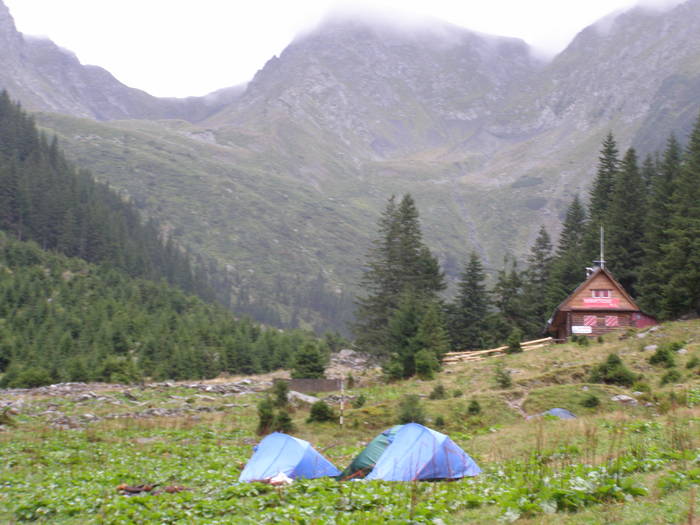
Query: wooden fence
x=478, y=355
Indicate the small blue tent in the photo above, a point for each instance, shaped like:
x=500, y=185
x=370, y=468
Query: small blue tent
x=561, y=413
x=419, y=453
x=282, y=453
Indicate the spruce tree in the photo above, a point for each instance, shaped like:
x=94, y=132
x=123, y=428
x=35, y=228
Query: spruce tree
x=536, y=282
x=624, y=223
x=601, y=194
x=398, y=263
x=570, y=260
x=470, y=307
x=681, y=261
x=601, y=191
x=657, y=221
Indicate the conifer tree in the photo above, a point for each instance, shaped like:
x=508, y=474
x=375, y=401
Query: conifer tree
x=657, y=221
x=570, y=261
x=536, y=282
x=681, y=261
x=470, y=307
x=601, y=191
x=399, y=263
x=624, y=223
x=601, y=194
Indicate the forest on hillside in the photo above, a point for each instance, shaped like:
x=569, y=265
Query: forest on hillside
x=649, y=211
x=90, y=292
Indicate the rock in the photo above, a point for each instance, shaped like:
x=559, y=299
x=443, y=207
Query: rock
x=624, y=399
x=294, y=396
x=682, y=351
x=129, y=395
x=585, y=388
x=650, y=348
x=205, y=398
x=637, y=393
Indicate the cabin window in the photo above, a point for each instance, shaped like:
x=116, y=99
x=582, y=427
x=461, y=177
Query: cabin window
x=601, y=293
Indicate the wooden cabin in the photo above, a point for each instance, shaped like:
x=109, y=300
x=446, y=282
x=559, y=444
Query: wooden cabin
x=598, y=306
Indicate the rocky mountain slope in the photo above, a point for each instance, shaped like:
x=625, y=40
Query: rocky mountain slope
x=48, y=78
x=283, y=182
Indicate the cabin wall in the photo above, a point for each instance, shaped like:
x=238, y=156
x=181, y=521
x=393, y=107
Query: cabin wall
x=596, y=322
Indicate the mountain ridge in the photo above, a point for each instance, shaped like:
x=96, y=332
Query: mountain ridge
x=284, y=181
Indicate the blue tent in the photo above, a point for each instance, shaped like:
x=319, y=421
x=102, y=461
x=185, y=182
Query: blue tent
x=418, y=452
x=282, y=453
x=561, y=413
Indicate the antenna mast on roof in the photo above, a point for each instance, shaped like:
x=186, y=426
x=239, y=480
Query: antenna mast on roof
x=601, y=261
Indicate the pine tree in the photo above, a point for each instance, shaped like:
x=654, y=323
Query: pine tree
x=601, y=191
x=536, y=282
x=398, y=263
x=681, y=261
x=624, y=223
x=570, y=261
x=601, y=194
x=470, y=307
x=657, y=221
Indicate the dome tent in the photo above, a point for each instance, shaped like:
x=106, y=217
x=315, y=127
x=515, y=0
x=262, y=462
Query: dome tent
x=280, y=453
x=420, y=453
x=365, y=461
x=561, y=413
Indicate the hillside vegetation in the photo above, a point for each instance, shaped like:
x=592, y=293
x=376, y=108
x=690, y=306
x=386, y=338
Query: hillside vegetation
x=63, y=319
x=626, y=462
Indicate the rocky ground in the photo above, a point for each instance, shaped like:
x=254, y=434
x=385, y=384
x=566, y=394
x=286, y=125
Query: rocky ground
x=76, y=405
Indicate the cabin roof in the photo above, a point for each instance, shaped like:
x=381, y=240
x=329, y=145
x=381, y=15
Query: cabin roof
x=565, y=305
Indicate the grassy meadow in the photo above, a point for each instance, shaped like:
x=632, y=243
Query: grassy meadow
x=616, y=463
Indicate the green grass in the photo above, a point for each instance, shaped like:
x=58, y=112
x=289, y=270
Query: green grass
x=614, y=464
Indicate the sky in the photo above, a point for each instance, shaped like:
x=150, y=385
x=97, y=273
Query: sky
x=177, y=48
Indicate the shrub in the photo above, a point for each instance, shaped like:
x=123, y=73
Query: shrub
x=320, y=412
x=6, y=419
x=641, y=386
x=266, y=416
x=591, y=401
x=393, y=370
x=457, y=393
x=474, y=408
x=309, y=362
x=583, y=341
x=439, y=422
x=663, y=356
x=359, y=401
x=502, y=377
x=280, y=390
x=600, y=339
x=119, y=369
x=693, y=362
x=672, y=376
x=28, y=377
x=612, y=372
x=283, y=422
x=350, y=380
x=438, y=392
x=410, y=410
x=426, y=364
x=513, y=341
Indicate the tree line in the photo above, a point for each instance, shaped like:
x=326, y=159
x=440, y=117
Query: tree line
x=650, y=213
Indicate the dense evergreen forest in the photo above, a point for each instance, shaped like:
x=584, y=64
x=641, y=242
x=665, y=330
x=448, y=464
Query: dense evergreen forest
x=63, y=319
x=650, y=213
x=102, y=310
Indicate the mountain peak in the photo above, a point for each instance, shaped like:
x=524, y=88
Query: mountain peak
x=395, y=26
